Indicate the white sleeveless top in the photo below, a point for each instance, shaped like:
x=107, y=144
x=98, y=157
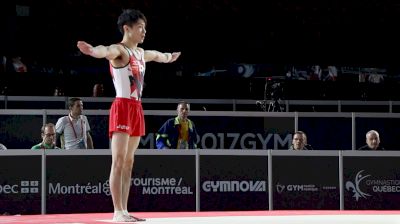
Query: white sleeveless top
x=128, y=80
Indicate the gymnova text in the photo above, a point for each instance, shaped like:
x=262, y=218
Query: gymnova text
x=234, y=186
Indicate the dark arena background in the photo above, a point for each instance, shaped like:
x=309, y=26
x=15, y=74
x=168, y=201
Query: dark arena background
x=229, y=43
x=254, y=73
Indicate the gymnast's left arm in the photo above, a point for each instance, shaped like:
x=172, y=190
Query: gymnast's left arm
x=153, y=55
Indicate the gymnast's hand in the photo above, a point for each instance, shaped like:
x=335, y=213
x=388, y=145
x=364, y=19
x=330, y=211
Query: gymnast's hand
x=85, y=47
x=175, y=56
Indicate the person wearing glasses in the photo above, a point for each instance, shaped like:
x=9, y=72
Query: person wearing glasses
x=48, y=138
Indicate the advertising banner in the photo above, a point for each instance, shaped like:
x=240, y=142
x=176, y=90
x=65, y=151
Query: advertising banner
x=78, y=183
x=20, y=184
x=305, y=182
x=371, y=182
x=164, y=183
x=229, y=183
x=224, y=132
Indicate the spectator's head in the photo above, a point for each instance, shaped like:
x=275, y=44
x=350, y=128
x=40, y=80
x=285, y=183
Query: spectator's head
x=3, y=63
x=75, y=106
x=98, y=90
x=372, y=139
x=299, y=140
x=58, y=91
x=183, y=110
x=18, y=65
x=49, y=134
x=128, y=18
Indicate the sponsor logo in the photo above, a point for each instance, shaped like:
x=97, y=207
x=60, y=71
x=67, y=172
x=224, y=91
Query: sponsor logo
x=295, y=187
x=30, y=186
x=123, y=127
x=280, y=188
x=24, y=187
x=232, y=141
x=234, y=186
x=162, y=186
x=374, y=185
x=89, y=188
x=355, y=186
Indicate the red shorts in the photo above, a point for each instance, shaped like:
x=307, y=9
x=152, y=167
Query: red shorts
x=126, y=115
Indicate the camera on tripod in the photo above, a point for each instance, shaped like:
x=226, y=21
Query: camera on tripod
x=275, y=91
x=273, y=94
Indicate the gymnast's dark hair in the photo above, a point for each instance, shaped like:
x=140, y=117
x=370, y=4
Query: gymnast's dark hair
x=129, y=17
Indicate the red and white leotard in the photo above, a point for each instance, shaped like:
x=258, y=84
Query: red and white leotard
x=126, y=112
x=128, y=80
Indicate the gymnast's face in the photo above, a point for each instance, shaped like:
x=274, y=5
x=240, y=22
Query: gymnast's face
x=136, y=32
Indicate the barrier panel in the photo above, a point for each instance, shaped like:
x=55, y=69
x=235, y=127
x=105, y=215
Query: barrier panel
x=371, y=180
x=164, y=181
x=20, y=182
x=33, y=182
x=230, y=180
x=77, y=182
x=305, y=180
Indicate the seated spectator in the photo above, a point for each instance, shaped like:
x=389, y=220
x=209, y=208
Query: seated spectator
x=18, y=65
x=299, y=142
x=316, y=72
x=3, y=147
x=373, y=141
x=58, y=91
x=375, y=78
x=178, y=132
x=73, y=130
x=48, y=138
x=3, y=64
x=98, y=90
x=332, y=74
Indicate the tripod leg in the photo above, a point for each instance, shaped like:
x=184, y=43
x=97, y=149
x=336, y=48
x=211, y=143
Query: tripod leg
x=277, y=106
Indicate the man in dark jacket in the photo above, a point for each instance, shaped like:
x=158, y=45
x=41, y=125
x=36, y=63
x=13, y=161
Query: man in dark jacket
x=299, y=142
x=373, y=141
x=179, y=132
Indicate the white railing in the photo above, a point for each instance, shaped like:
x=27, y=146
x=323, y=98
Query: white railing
x=56, y=102
x=292, y=116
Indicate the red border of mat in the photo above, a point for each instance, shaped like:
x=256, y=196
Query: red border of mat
x=90, y=218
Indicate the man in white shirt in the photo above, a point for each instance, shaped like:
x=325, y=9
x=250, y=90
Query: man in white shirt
x=73, y=131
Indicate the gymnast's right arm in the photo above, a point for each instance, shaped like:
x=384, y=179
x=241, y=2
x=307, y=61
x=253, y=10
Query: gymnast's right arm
x=110, y=52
